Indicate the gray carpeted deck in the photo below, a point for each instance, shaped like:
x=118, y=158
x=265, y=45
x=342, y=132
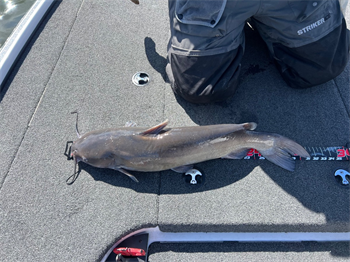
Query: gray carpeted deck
x=83, y=57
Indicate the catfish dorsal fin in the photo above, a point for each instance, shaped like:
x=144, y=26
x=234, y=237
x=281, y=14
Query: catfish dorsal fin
x=155, y=129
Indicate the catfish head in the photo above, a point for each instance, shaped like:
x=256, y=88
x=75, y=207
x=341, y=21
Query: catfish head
x=84, y=150
x=92, y=148
x=96, y=149
x=88, y=149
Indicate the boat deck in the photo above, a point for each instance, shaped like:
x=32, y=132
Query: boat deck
x=82, y=57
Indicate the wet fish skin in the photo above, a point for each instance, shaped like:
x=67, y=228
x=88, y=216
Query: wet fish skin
x=159, y=148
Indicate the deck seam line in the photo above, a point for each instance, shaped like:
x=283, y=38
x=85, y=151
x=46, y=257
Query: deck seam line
x=341, y=97
x=2, y=182
x=58, y=59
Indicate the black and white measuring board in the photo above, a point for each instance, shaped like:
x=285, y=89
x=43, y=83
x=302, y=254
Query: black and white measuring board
x=330, y=153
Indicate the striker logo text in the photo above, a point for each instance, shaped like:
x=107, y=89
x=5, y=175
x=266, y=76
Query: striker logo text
x=312, y=26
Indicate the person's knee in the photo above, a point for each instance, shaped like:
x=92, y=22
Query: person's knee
x=205, y=79
x=202, y=93
x=315, y=63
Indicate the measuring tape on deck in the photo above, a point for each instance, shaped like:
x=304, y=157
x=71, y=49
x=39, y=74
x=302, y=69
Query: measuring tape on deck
x=331, y=153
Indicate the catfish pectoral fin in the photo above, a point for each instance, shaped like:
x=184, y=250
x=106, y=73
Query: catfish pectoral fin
x=121, y=170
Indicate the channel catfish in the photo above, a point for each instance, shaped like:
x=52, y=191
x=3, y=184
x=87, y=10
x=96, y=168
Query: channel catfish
x=159, y=148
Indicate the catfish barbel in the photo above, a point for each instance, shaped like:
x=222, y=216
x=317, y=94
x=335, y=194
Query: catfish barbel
x=160, y=148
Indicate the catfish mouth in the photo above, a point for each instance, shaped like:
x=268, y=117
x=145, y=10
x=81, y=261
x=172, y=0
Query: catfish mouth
x=76, y=159
x=73, y=154
x=70, y=180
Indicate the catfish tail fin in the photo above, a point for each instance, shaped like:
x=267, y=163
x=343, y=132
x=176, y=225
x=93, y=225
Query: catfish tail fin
x=282, y=151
